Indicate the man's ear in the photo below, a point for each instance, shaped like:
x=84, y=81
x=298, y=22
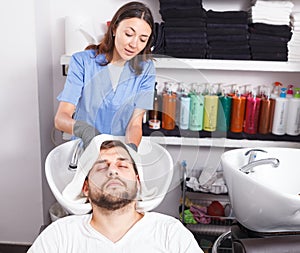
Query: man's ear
x=85, y=188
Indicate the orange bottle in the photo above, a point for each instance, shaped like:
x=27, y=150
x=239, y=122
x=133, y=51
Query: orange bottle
x=169, y=110
x=238, y=106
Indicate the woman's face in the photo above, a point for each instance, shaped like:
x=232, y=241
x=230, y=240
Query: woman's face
x=131, y=37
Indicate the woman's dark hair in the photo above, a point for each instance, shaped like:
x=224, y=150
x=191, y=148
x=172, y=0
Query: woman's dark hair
x=129, y=10
x=116, y=143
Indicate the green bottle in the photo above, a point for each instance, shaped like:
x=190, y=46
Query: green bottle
x=196, y=108
x=224, y=111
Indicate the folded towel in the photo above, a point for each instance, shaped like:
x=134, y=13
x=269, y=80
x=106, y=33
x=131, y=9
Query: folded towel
x=150, y=193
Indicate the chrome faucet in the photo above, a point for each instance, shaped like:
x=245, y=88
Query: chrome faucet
x=253, y=163
x=249, y=167
x=75, y=156
x=252, y=154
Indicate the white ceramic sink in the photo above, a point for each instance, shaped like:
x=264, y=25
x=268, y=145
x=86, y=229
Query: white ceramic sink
x=267, y=199
x=156, y=178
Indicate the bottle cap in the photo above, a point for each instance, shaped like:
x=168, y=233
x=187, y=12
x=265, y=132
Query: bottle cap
x=283, y=92
x=297, y=93
x=290, y=89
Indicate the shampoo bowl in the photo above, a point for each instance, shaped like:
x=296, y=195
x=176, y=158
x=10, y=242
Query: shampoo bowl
x=156, y=178
x=267, y=199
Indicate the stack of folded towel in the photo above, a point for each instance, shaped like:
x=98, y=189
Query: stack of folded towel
x=227, y=35
x=184, y=28
x=272, y=12
x=270, y=30
x=294, y=43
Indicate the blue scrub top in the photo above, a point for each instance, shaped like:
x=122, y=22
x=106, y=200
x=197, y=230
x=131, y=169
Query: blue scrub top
x=89, y=88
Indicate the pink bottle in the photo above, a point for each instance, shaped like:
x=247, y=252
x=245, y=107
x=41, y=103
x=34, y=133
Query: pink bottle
x=252, y=114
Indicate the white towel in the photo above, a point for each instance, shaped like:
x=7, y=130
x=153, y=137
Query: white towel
x=151, y=193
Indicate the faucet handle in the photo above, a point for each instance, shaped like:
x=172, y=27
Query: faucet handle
x=252, y=153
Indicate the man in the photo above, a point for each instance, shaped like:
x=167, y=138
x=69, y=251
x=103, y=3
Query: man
x=112, y=187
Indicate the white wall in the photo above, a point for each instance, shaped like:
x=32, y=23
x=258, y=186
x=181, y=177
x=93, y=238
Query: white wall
x=20, y=157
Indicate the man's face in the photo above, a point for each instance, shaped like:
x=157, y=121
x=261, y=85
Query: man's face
x=112, y=182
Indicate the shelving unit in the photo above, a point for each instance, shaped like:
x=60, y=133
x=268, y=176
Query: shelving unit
x=231, y=65
x=228, y=65
x=212, y=226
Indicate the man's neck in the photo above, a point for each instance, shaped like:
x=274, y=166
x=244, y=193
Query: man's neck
x=115, y=224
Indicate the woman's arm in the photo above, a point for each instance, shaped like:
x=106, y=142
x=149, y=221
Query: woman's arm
x=134, y=129
x=63, y=119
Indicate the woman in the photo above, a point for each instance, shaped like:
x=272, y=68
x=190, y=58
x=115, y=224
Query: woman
x=109, y=86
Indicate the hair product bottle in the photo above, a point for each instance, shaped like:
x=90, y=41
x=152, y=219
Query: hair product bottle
x=196, y=108
x=265, y=121
x=224, y=110
x=252, y=113
x=210, y=111
x=154, y=122
x=293, y=120
x=238, y=106
x=179, y=91
x=280, y=114
x=169, y=109
x=185, y=101
x=290, y=91
x=276, y=89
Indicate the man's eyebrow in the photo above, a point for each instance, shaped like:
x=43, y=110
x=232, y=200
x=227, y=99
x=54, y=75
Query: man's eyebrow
x=144, y=35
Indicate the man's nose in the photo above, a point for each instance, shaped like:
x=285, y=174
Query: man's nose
x=112, y=170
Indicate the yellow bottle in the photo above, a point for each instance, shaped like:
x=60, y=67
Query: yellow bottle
x=210, y=111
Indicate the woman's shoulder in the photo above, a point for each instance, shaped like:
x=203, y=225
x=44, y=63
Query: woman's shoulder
x=88, y=55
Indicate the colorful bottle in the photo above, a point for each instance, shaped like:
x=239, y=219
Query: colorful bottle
x=238, y=106
x=169, y=110
x=280, y=113
x=252, y=113
x=153, y=114
x=185, y=101
x=224, y=110
x=290, y=91
x=179, y=92
x=293, y=121
x=154, y=122
x=210, y=111
x=196, y=109
x=265, y=121
x=276, y=89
